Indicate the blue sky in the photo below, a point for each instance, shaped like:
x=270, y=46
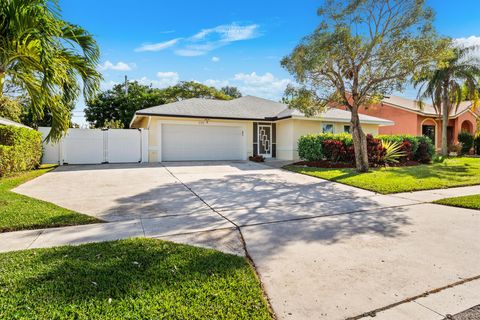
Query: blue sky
x=218, y=42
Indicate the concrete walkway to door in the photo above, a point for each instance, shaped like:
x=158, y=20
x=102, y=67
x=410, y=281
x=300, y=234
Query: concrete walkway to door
x=323, y=250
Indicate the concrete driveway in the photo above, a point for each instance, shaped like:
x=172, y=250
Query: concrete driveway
x=323, y=250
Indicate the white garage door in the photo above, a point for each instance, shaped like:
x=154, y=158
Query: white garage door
x=201, y=142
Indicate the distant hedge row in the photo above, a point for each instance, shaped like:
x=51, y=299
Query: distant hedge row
x=339, y=147
x=20, y=149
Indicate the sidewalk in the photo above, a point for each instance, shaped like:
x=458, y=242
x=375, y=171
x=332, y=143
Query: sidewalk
x=436, y=306
x=211, y=233
x=437, y=194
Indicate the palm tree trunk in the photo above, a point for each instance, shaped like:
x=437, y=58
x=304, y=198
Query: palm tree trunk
x=445, y=116
x=359, y=142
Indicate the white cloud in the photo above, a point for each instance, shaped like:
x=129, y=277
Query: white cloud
x=216, y=83
x=468, y=41
x=229, y=32
x=266, y=86
x=158, y=46
x=215, y=59
x=165, y=79
x=206, y=40
x=107, y=85
x=189, y=53
x=119, y=66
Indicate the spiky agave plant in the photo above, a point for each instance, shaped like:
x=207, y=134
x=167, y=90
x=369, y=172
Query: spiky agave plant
x=393, y=151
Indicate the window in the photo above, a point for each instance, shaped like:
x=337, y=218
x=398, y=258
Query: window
x=327, y=128
x=346, y=129
x=429, y=131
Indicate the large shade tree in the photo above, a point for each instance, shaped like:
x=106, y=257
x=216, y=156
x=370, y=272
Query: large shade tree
x=453, y=79
x=361, y=51
x=46, y=58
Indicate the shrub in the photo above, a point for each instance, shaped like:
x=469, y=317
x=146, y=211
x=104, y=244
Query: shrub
x=425, y=150
x=466, y=139
x=409, y=145
x=393, y=151
x=334, y=150
x=20, y=149
x=375, y=150
x=477, y=144
x=310, y=146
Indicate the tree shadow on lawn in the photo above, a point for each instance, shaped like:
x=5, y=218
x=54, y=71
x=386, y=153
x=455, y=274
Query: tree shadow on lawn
x=141, y=277
x=438, y=171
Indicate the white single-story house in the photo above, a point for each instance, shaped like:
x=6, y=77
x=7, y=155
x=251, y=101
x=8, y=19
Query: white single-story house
x=206, y=129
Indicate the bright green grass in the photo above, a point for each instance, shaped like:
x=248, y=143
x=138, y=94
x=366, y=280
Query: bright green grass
x=19, y=212
x=451, y=173
x=471, y=202
x=128, y=279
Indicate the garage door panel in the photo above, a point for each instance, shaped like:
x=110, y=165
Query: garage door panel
x=200, y=142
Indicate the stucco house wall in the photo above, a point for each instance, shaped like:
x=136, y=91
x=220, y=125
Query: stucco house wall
x=288, y=131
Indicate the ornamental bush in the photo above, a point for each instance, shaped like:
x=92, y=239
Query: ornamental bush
x=466, y=139
x=334, y=150
x=477, y=144
x=425, y=151
x=339, y=148
x=20, y=149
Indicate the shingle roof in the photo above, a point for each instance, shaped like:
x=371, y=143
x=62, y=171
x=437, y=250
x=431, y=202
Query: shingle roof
x=7, y=122
x=248, y=107
x=427, y=109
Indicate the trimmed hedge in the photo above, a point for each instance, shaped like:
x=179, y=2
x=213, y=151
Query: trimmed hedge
x=20, y=149
x=339, y=147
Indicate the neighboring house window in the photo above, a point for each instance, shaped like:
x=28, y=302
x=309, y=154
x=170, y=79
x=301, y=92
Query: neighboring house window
x=346, y=129
x=429, y=131
x=327, y=128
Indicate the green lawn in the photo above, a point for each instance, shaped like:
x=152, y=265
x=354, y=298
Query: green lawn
x=452, y=172
x=128, y=279
x=19, y=212
x=471, y=202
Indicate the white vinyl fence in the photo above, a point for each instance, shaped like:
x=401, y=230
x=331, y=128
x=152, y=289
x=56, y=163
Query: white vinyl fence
x=93, y=146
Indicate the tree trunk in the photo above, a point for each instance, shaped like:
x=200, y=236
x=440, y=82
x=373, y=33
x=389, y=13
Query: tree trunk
x=359, y=143
x=2, y=81
x=445, y=116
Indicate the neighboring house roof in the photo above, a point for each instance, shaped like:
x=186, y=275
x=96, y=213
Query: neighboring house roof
x=7, y=122
x=246, y=108
x=427, y=109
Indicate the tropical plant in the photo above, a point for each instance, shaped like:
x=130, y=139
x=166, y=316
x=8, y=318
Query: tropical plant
x=448, y=82
x=44, y=57
x=466, y=139
x=231, y=91
x=10, y=108
x=361, y=51
x=393, y=151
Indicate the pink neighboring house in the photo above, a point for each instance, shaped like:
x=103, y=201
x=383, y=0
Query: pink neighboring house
x=410, y=119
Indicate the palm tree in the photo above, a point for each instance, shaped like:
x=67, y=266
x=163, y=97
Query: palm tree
x=45, y=57
x=451, y=81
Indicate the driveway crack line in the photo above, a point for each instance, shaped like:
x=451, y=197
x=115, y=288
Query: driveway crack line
x=33, y=241
x=242, y=240
x=424, y=306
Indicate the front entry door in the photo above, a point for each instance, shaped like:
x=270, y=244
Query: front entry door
x=265, y=140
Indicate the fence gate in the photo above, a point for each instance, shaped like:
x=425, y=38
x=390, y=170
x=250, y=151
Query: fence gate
x=94, y=146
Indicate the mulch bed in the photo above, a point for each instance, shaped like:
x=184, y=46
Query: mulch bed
x=337, y=165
